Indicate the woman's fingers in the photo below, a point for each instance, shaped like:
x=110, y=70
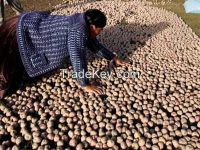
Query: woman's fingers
x=98, y=90
x=127, y=63
x=101, y=91
x=119, y=61
x=93, y=89
x=95, y=92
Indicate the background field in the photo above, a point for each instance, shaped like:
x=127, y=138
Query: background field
x=193, y=20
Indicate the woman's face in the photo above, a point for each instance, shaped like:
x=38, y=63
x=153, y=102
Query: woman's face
x=94, y=31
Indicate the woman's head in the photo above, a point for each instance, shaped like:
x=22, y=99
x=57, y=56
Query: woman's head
x=96, y=21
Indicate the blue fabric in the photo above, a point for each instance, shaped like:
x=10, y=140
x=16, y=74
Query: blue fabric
x=45, y=40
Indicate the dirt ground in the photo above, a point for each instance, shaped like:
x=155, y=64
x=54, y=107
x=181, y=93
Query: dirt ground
x=30, y=5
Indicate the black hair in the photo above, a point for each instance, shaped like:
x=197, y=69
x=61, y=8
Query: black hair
x=95, y=17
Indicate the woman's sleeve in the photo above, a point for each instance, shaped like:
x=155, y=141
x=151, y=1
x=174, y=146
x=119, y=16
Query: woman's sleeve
x=100, y=50
x=77, y=53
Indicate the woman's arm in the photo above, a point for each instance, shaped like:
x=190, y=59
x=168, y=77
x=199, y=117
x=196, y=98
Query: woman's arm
x=95, y=46
x=76, y=48
x=100, y=50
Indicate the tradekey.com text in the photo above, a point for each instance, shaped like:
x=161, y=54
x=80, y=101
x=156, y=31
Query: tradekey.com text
x=99, y=74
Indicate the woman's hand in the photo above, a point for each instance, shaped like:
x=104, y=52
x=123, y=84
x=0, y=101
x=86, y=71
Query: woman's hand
x=93, y=89
x=120, y=62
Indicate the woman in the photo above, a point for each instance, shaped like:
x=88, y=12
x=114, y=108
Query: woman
x=43, y=41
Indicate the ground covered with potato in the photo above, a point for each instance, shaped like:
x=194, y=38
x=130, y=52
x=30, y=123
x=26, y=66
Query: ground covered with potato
x=159, y=108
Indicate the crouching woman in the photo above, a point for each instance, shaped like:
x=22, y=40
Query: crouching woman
x=38, y=42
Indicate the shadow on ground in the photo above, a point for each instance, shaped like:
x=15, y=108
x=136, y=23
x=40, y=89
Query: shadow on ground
x=134, y=36
x=130, y=36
